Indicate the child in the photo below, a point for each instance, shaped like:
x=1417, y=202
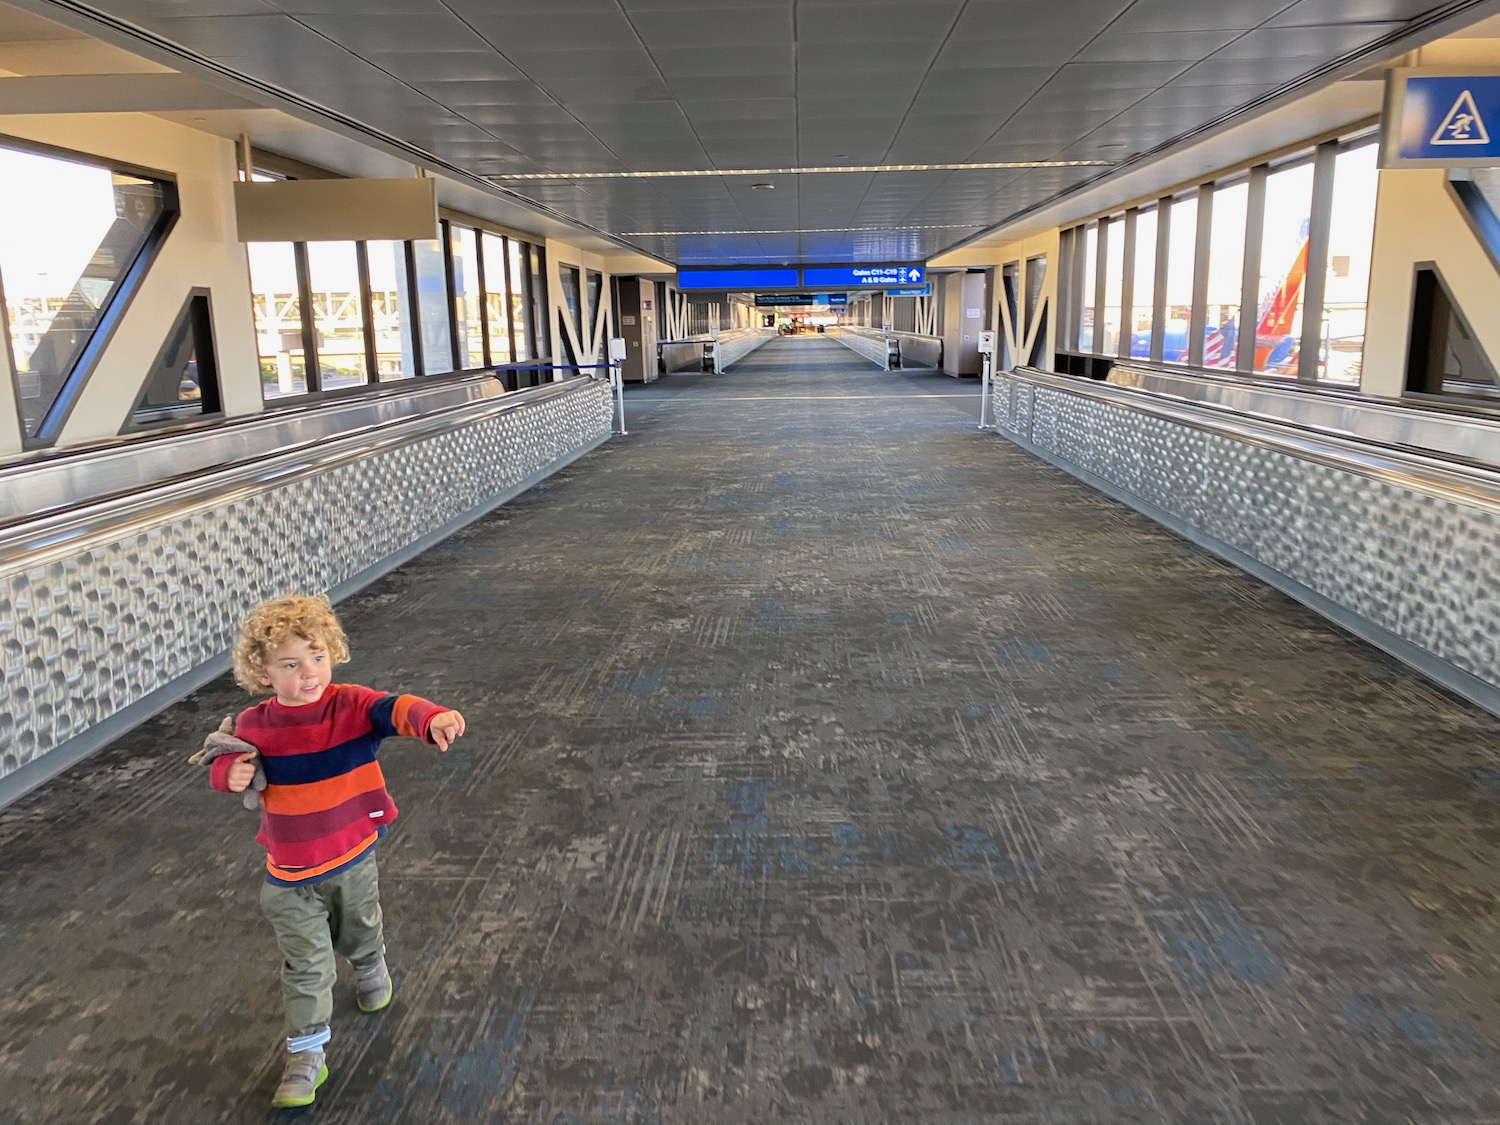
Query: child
x=323, y=808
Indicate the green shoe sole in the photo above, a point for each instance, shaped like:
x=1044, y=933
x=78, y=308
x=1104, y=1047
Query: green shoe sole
x=381, y=1003
x=293, y=1103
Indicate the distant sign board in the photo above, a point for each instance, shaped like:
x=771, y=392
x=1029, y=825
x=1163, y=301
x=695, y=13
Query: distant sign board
x=737, y=279
x=1441, y=118
x=861, y=277
x=830, y=300
x=924, y=290
x=780, y=300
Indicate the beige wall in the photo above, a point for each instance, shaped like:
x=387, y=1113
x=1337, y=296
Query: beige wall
x=558, y=255
x=1044, y=244
x=200, y=252
x=1417, y=219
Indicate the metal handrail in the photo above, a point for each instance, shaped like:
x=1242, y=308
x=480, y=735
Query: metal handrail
x=37, y=540
x=1429, y=474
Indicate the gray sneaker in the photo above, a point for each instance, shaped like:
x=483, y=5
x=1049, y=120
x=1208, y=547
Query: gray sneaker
x=300, y=1080
x=372, y=987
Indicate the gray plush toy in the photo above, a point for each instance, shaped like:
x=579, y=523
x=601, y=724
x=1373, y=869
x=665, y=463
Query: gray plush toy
x=222, y=742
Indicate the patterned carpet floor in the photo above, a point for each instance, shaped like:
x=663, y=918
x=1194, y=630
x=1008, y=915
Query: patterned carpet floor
x=829, y=761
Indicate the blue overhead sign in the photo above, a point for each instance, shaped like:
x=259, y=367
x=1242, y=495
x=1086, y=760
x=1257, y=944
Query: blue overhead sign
x=737, y=279
x=924, y=290
x=861, y=277
x=830, y=300
x=1441, y=119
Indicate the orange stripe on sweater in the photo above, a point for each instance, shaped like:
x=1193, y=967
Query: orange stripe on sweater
x=296, y=874
x=315, y=796
x=400, y=716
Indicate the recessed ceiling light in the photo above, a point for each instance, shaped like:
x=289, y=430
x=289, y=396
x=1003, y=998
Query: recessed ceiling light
x=762, y=187
x=682, y=173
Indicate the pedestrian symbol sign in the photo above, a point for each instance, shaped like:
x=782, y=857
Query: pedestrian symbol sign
x=1441, y=119
x=1462, y=125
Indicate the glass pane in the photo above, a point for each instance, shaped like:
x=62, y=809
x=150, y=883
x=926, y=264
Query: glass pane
x=72, y=231
x=1010, y=286
x=1226, y=268
x=389, y=301
x=467, y=310
x=338, y=314
x=1086, y=296
x=572, y=297
x=432, y=306
x=1349, y=239
x=539, y=303
x=596, y=287
x=496, y=303
x=1283, y=268
x=1182, y=243
x=1036, y=274
x=1114, y=285
x=518, y=269
x=1143, y=296
x=278, y=318
x=183, y=382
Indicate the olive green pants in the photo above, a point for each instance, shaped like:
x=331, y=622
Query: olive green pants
x=312, y=923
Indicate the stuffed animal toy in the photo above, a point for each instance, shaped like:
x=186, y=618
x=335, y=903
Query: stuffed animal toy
x=221, y=742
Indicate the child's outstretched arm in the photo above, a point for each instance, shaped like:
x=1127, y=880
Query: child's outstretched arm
x=444, y=728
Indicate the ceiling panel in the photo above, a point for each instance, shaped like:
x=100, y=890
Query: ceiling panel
x=615, y=86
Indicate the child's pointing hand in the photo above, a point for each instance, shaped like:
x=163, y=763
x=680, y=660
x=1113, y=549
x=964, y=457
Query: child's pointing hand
x=445, y=728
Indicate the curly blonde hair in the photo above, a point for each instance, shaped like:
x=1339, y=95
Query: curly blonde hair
x=271, y=624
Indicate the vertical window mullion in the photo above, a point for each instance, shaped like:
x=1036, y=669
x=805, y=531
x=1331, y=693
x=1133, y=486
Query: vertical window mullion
x=1320, y=223
x=1198, y=317
x=510, y=318
x=1065, y=283
x=1255, y=229
x=450, y=303
x=311, y=363
x=367, y=304
x=1127, y=287
x=1101, y=264
x=418, y=356
x=1159, y=282
x=483, y=297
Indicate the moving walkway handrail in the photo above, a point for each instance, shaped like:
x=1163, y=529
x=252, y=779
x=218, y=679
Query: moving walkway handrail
x=1445, y=478
x=38, y=539
x=50, y=480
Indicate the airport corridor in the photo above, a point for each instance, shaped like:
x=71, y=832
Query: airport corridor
x=828, y=761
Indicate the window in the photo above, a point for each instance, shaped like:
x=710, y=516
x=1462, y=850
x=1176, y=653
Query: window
x=433, y=309
x=467, y=310
x=542, y=344
x=1182, y=244
x=1113, y=234
x=1348, y=286
x=496, y=300
x=1443, y=356
x=276, y=296
x=1141, y=313
x=1036, y=312
x=390, y=300
x=1086, y=302
x=77, y=241
x=520, y=284
x=1283, y=269
x=183, y=382
x=1226, y=275
x=338, y=311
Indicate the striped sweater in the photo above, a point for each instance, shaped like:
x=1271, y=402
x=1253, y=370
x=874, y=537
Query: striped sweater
x=325, y=802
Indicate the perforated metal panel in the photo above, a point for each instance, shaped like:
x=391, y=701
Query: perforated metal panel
x=1414, y=564
x=86, y=635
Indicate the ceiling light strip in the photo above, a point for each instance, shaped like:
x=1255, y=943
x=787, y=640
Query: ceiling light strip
x=803, y=230
x=987, y=166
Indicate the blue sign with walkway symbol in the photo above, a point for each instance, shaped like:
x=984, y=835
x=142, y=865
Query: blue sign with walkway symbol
x=1442, y=120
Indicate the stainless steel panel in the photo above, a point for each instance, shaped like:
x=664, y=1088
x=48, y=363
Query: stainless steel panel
x=89, y=628
x=1474, y=438
x=1403, y=541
